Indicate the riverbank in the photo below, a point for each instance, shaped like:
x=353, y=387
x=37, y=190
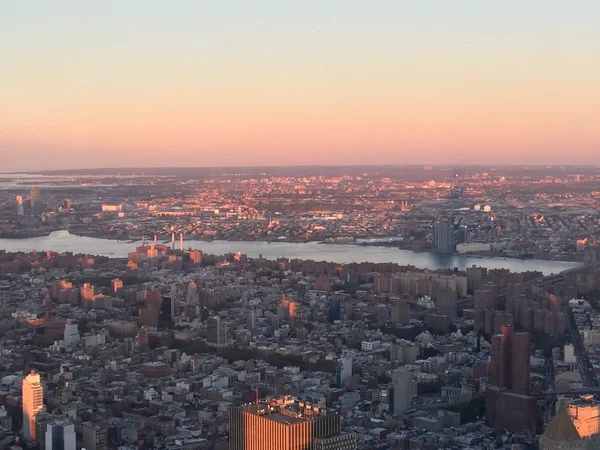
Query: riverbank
x=63, y=241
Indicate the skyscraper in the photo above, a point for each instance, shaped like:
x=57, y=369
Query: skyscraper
x=35, y=200
x=510, y=379
x=217, y=330
x=334, y=311
x=283, y=423
x=60, y=435
x=443, y=236
x=510, y=367
x=33, y=403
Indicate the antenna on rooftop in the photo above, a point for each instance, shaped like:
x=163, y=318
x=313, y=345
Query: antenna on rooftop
x=181, y=241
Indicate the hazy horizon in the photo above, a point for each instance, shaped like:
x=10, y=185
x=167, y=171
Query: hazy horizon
x=271, y=84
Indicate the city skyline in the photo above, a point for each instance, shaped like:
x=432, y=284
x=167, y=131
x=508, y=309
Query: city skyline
x=207, y=84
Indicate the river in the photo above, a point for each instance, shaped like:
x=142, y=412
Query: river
x=63, y=241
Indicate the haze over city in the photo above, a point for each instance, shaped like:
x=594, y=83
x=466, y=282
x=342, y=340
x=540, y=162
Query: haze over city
x=134, y=84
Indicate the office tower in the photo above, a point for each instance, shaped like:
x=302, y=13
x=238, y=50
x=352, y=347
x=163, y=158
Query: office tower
x=282, y=423
x=33, y=403
x=403, y=390
x=60, y=435
x=35, y=200
x=443, y=236
x=71, y=336
x=334, y=310
x=217, y=330
x=95, y=436
x=344, y=369
x=116, y=285
x=167, y=309
x=462, y=234
x=447, y=303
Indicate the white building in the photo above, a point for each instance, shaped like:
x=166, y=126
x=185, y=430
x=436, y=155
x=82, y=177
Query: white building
x=570, y=353
x=72, y=337
x=345, y=367
x=60, y=435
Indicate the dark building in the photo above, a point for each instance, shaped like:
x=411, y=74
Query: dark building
x=447, y=303
x=507, y=403
x=462, y=236
x=443, y=236
x=334, y=312
x=167, y=309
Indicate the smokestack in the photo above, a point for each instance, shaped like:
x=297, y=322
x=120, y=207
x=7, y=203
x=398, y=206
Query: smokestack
x=181, y=241
x=155, y=239
x=143, y=240
x=172, y=241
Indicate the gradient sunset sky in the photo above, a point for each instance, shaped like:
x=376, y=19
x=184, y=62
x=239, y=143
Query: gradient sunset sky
x=254, y=82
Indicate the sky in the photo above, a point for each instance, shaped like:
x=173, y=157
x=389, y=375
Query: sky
x=139, y=83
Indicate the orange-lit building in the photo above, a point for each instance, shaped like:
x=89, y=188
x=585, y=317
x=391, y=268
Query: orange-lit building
x=33, y=403
x=285, y=424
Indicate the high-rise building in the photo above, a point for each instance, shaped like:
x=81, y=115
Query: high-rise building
x=60, y=435
x=510, y=378
x=462, y=236
x=443, y=236
x=71, y=336
x=217, y=330
x=334, y=311
x=400, y=312
x=510, y=366
x=35, y=200
x=344, y=368
x=447, y=303
x=403, y=391
x=95, y=436
x=284, y=423
x=116, y=285
x=33, y=403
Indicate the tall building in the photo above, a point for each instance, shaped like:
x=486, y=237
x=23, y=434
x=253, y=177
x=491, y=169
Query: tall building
x=95, y=436
x=447, y=303
x=116, y=285
x=71, y=336
x=510, y=379
x=60, y=435
x=217, y=330
x=344, y=368
x=33, y=403
x=400, y=312
x=403, y=391
x=510, y=366
x=285, y=424
x=462, y=236
x=35, y=200
x=334, y=310
x=443, y=236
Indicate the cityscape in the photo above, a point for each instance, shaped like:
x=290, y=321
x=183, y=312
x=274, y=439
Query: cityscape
x=124, y=331
x=300, y=225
